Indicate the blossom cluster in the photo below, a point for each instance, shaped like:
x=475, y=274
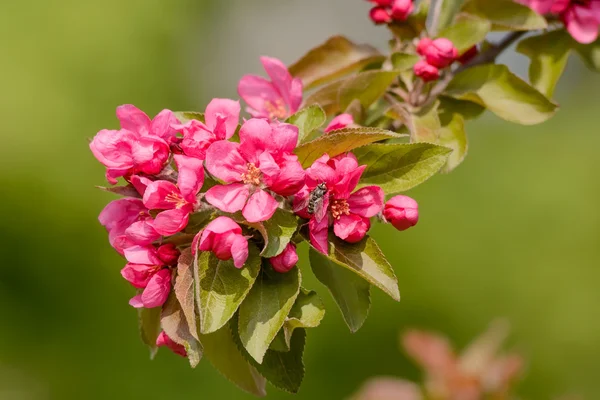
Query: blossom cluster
x=176, y=168
x=386, y=11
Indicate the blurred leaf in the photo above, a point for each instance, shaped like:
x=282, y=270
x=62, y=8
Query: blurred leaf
x=549, y=53
x=285, y=370
x=452, y=135
x=186, y=116
x=277, y=232
x=442, y=13
x=366, y=86
x=184, y=290
x=265, y=309
x=307, y=312
x=404, y=61
x=356, y=110
x=327, y=97
x=467, y=109
x=336, y=57
x=307, y=120
x=221, y=350
x=467, y=32
x=506, y=14
x=424, y=124
x=340, y=141
x=125, y=191
x=149, y=324
x=350, y=292
x=590, y=54
x=175, y=324
x=503, y=93
x=400, y=167
x=223, y=287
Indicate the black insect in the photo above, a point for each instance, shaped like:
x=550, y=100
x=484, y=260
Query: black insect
x=315, y=200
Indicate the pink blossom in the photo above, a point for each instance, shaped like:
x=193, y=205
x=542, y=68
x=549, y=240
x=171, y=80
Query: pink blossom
x=340, y=122
x=125, y=219
x=423, y=45
x=440, y=53
x=275, y=99
x=221, y=117
x=546, y=6
x=402, y=212
x=178, y=200
x=223, y=236
x=141, y=145
x=262, y=160
x=286, y=260
x=380, y=15
x=168, y=254
x=383, y=3
x=384, y=388
x=165, y=341
x=582, y=20
x=401, y=9
x=146, y=271
x=426, y=72
x=347, y=211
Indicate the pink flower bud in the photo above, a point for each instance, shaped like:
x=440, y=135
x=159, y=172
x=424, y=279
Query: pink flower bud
x=468, y=55
x=168, y=254
x=441, y=53
x=223, y=236
x=402, y=212
x=426, y=71
x=401, y=9
x=286, y=260
x=379, y=15
x=165, y=341
x=382, y=3
x=423, y=45
x=339, y=122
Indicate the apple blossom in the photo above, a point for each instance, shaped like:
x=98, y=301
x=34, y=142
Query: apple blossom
x=402, y=212
x=286, y=260
x=223, y=236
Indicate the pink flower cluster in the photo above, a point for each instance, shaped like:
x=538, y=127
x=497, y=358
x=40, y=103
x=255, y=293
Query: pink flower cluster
x=387, y=11
x=437, y=54
x=581, y=17
x=164, y=163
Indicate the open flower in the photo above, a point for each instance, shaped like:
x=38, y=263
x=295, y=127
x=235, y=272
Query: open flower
x=119, y=216
x=262, y=160
x=145, y=270
x=275, y=99
x=221, y=117
x=348, y=212
x=164, y=340
x=223, y=236
x=141, y=145
x=178, y=200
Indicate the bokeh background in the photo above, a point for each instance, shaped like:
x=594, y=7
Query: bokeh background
x=514, y=232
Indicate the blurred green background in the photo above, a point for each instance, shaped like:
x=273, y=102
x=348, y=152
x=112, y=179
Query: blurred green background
x=514, y=232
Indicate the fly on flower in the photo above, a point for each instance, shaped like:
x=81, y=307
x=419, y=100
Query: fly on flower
x=316, y=201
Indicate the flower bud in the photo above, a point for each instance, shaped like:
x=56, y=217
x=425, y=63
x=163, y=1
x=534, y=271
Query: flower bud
x=441, y=53
x=468, y=55
x=379, y=15
x=423, y=45
x=339, y=122
x=168, y=254
x=382, y=3
x=286, y=260
x=164, y=340
x=426, y=72
x=401, y=9
x=402, y=212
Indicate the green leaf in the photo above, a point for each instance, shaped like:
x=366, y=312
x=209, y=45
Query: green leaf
x=441, y=15
x=467, y=32
x=336, y=57
x=453, y=136
x=223, y=287
x=404, y=61
x=366, y=86
x=506, y=14
x=285, y=370
x=149, y=324
x=503, y=93
x=590, y=54
x=265, y=309
x=339, y=142
x=327, y=97
x=307, y=312
x=199, y=219
x=278, y=232
x=549, y=53
x=184, y=290
x=350, y=292
x=221, y=350
x=307, y=120
x=186, y=116
x=400, y=167
x=424, y=124
x=467, y=109
x=176, y=325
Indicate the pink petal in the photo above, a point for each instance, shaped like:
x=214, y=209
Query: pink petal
x=171, y=221
x=340, y=122
x=351, y=228
x=260, y=207
x=229, y=198
x=295, y=95
x=223, y=160
x=389, y=389
x=268, y=166
x=138, y=274
x=150, y=154
x=142, y=233
x=136, y=301
x=162, y=125
x=191, y=176
x=113, y=148
x=223, y=225
x=133, y=119
x=255, y=137
x=286, y=260
x=348, y=180
x=119, y=214
x=582, y=24
x=222, y=117
x=156, y=292
x=166, y=341
x=290, y=178
x=366, y=202
x=239, y=251
x=285, y=137
x=160, y=195
x=256, y=92
x=431, y=351
x=142, y=255
x=318, y=234
x=321, y=172
x=281, y=78
x=140, y=183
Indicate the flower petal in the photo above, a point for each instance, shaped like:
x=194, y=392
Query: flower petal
x=351, y=228
x=317, y=231
x=171, y=221
x=222, y=117
x=191, y=176
x=161, y=195
x=133, y=119
x=138, y=274
x=268, y=166
x=256, y=92
x=295, y=95
x=140, y=183
x=255, y=137
x=260, y=207
x=119, y=214
x=162, y=125
x=142, y=255
x=290, y=178
x=229, y=198
x=222, y=225
x=156, y=292
x=285, y=137
x=367, y=202
x=113, y=148
x=239, y=251
x=136, y=301
x=150, y=154
x=142, y=233
x=223, y=160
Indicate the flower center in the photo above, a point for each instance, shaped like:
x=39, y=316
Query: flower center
x=176, y=199
x=276, y=110
x=339, y=207
x=252, y=175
